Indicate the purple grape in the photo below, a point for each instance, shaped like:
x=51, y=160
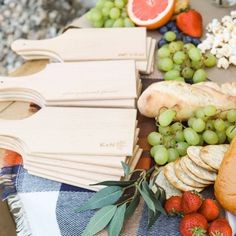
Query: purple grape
x=196, y=41
x=162, y=42
x=163, y=30
x=187, y=39
x=170, y=24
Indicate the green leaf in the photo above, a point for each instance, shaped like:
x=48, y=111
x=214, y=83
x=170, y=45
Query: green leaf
x=116, y=183
x=100, y=220
x=147, y=199
x=117, y=221
x=132, y=206
x=126, y=168
x=162, y=197
x=153, y=180
x=152, y=217
x=104, y=197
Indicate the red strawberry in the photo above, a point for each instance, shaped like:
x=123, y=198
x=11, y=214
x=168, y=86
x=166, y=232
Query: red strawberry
x=191, y=202
x=193, y=224
x=173, y=205
x=190, y=23
x=209, y=209
x=220, y=227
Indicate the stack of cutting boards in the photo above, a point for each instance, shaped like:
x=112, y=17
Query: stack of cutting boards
x=92, y=44
x=78, y=146
x=87, y=84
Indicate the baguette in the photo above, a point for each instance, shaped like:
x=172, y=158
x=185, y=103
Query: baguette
x=225, y=185
x=185, y=99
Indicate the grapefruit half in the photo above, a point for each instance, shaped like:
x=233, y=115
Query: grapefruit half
x=151, y=14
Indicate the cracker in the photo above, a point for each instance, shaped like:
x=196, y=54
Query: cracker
x=213, y=155
x=172, y=178
x=184, y=177
x=191, y=175
x=164, y=183
x=199, y=171
x=194, y=154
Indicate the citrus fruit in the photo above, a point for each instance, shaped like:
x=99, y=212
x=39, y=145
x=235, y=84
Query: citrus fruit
x=150, y=13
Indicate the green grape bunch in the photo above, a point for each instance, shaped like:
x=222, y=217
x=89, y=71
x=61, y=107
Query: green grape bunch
x=208, y=126
x=109, y=14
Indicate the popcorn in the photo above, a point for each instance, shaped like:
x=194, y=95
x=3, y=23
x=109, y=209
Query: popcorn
x=221, y=40
x=223, y=63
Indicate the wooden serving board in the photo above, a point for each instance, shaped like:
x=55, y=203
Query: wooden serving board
x=75, y=81
x=83, y=44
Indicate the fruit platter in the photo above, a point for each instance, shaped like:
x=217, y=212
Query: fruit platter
x=186, y=123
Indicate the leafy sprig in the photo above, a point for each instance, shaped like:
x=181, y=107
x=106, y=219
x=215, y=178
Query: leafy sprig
x=119, y=199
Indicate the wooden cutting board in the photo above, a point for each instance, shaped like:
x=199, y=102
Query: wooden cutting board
x=75, y=81
x=83, y=45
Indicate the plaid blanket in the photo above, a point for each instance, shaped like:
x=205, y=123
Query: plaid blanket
x=43, y=207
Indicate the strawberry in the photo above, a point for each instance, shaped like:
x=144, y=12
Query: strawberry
x=173, y=205
x=209, y=209
x=220, y=227
x=193, y=224
x=190, y=23
x=191, y=202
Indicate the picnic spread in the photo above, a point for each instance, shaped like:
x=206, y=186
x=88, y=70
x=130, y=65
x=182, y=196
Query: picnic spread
x=112, y=129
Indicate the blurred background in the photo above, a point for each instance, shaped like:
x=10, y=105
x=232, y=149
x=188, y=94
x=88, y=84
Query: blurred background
x=33, y=19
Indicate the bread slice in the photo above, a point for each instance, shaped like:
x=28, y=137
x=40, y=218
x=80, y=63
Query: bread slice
x=194, y=154
x=199, y=171
x=169, y=173
x=213, y=155
x=184, y=177
x=164, y=183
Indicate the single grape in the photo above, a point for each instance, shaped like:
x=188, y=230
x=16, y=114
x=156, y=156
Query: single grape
x=187, y=72
x=176, y=127
x=179, y=57
x=165, y=64
x=114, y=13
x=231, y=115
x=124, y=14
x=210, y=60
x=199, y=113
x=98, y=24
x=109, y=23
x=198, y=125
x=166, y=117
x=201, y=140
x=191, y=136
x=173, y=154
x=180, y=44
x=100, y=3
x=231, y=131
x=222, y=115
x=182, y=147
x=96, y=15
x=195, y=54
x=210, y=137
x=163, y=52
x=188, y=46
x=163, y=30
x=105, y=11
x=219, y=125
x=179, y=136
x=128, y=22
x=210, y=125
x=170, y=36
x=161, y=156
x=187, y=39
x=190, y=121
x=154, y=138
x=154, y=149
x=210, y=110
x=174, y=47
x=109, y=4
x=221, y=136
x=119, y=3
x=177, y=67
x=164, y=130
x=118, y=23
x=196, y=41
x=171, y=75
x=199, y=76
x=162, y=42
